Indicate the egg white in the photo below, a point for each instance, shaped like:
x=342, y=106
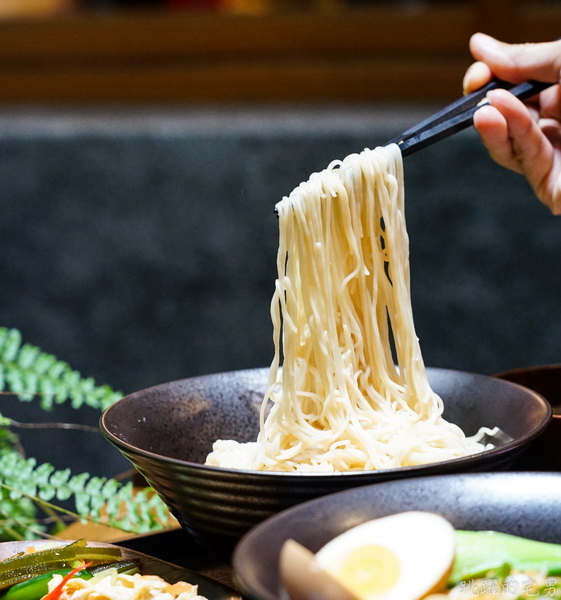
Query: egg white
x=419, y=545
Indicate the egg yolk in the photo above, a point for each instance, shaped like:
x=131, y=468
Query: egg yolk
x=369, y=569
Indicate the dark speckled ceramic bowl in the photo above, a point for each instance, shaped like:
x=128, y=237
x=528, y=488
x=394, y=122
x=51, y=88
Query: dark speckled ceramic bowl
x=167, y=431
x=545, y=380
x=525, y=504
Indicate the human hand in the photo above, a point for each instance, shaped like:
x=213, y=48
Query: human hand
x=523, y=137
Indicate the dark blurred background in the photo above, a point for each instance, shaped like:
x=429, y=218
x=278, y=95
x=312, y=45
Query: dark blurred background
x=144, y=145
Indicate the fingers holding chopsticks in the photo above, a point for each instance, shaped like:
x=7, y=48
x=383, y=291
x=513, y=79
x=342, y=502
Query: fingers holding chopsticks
x=516, y=141
x=524, y=137
x=518, y=62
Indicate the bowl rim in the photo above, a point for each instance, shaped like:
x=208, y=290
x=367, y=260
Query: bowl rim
x=252, y=586
x=547, y=368
x=466, y=461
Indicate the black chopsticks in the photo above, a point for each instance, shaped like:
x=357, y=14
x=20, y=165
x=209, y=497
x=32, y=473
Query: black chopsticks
x=459, y=115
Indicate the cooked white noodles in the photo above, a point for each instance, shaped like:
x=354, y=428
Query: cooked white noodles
x=353, y=392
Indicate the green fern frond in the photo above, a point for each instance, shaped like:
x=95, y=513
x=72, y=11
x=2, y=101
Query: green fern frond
x=96, y=499
x=18, y=518
x=27, y=489
x=28, y=372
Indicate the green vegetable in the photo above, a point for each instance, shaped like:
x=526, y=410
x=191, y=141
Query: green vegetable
x=32, y=559
x=128, y=566
x=22, y=567
x=479, y=552
x=37, y=587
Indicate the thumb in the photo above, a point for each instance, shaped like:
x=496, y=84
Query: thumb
x=518, y=62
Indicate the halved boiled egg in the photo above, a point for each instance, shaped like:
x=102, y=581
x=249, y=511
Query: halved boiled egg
x=405, y=556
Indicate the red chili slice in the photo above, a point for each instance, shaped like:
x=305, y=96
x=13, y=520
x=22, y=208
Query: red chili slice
x=55, y=593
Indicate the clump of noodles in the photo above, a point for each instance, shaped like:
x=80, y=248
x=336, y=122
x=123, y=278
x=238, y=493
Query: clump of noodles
x=353, y=393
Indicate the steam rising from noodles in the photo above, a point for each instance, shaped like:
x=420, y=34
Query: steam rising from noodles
x=352, y=393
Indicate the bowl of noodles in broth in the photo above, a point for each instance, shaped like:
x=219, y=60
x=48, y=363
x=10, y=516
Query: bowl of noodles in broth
x=347, y=400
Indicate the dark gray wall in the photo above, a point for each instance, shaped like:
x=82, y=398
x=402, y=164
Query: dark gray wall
x=140, y=246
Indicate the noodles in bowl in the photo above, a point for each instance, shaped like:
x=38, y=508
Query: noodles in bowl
x=353, y=392
x=341, y=412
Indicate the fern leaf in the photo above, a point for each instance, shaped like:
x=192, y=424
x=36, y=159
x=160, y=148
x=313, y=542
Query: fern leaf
x=28, y=372
x=18, y=518
x=10, y=342
x=99, y=499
